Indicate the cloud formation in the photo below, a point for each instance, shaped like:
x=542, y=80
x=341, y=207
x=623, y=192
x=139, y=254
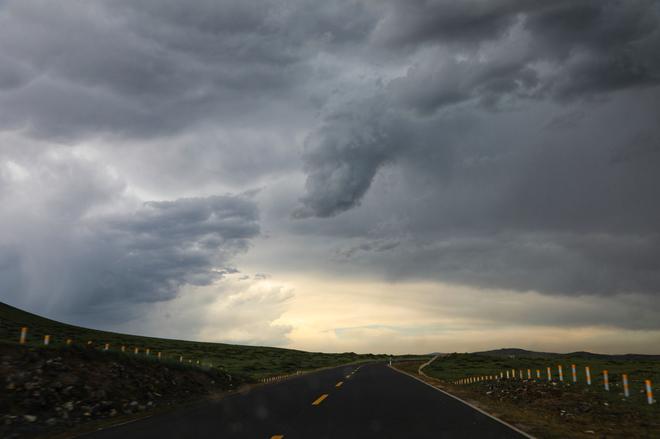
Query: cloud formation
x=505, y=144
x=95, y=250
x=493, y=54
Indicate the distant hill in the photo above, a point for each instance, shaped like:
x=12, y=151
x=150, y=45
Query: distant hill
x=522, y=353
x=253, y=361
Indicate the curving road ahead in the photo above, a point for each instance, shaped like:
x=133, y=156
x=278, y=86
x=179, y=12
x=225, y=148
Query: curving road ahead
x=371, y=401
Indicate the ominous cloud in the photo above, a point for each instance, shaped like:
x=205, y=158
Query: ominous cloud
x=498, y=144
x=155, y=68
x=81, y=246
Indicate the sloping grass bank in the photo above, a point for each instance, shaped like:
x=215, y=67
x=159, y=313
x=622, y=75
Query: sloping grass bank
x=253, y=361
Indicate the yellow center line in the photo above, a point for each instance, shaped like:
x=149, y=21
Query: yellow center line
x=320, y=399
x=277, y=436
x=339, y=384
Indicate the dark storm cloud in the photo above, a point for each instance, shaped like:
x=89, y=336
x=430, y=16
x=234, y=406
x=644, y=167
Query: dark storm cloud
x=154, y=68
x=514, y=143
x=166, y=245
x=420, y=21
x=90, y=261
x=527, y=51
x=342, y=156
x=514, y=204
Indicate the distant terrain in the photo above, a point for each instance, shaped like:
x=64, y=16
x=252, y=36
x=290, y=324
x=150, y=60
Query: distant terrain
x=522, y=353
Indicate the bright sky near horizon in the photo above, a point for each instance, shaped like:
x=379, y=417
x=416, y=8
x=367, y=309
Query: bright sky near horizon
x=348, y=175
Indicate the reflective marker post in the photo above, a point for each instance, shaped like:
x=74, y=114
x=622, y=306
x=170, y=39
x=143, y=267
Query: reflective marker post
x=23, y=337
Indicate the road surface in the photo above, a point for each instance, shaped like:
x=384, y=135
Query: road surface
x=371, y=401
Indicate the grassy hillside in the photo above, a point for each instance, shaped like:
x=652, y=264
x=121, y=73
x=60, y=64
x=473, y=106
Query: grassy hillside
x=254, y=361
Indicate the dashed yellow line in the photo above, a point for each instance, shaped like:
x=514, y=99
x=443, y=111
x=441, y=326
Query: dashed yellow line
x=339, y=384
x=320, y=399
x=277, y=436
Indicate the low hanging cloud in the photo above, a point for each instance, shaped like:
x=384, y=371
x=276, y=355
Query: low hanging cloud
x=81, y=247
x=342, y=157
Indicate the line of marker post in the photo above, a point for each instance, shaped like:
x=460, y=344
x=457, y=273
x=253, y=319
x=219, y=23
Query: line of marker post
x=511, y=374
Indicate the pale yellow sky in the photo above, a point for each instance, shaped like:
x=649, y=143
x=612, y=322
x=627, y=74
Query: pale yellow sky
x=321, y=314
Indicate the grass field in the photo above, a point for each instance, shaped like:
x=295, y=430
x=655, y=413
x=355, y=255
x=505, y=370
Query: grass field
x=252, y=361
x=553, y=409
x=455, y=366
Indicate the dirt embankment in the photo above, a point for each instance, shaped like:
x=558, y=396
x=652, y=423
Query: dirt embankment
x=50, y=390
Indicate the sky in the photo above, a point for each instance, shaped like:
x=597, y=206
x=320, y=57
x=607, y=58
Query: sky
x=348, y=175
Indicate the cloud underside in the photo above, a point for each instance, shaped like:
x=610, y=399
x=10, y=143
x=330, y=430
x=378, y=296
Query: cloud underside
x=94, y=249
x=498, y=144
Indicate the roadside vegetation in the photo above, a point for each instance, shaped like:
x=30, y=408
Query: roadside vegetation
x=77, y=386
x=555, y=409
x=256, y=362
x=637, y=367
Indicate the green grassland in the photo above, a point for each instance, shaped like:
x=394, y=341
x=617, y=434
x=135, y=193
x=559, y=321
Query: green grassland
x=254, y=362
x=455, y=366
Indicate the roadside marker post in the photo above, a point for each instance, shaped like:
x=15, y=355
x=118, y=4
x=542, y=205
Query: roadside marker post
x=123, y=348
x=513, y=373
x=626, y=390
x=649, y=391
x=180, y=358
x=606, y=380
x=69, y=341
x=23, y=337
x=520, y=374
x=561, y=373
x=529, y=374
x=501, y=375
x=507, y=374
x=549, y=374
x=46, y=340
x=106, y=347
x=136, y=350
x=159, y=355
x=538, y=374
x=148, y=351
x=573, y=373
x=588, y=374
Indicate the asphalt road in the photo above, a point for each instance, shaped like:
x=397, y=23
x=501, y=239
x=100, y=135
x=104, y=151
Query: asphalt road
x=372, y=401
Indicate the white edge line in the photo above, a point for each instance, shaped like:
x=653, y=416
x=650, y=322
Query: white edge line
x=517, y=430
